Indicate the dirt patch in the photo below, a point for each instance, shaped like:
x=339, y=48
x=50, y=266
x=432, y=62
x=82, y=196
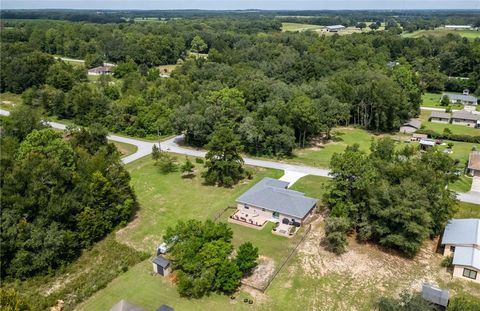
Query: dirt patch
x=122, y=234
x=261, y=274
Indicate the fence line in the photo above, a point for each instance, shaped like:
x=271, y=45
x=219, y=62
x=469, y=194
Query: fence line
x=219, y=214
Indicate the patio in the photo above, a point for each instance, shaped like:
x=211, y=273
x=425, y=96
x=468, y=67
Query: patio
x=250, y=219
x=284, y=230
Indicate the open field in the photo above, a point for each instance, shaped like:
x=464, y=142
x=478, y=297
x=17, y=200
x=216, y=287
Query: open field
x=9, y=100
x=313, y=279
x=318, y=28
x=470, y=34
x=433, y=100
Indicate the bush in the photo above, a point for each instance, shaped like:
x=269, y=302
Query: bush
x=199, y=160
x=464, y=304
x=336, y=234
x=447, y=262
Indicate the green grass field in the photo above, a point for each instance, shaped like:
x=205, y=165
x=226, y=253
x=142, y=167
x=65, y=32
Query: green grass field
x=125, y=149
x=9, y=100
x=318, y=28
x=299, y=27
x=462, y=185
x=433, y=100
x=469, y=34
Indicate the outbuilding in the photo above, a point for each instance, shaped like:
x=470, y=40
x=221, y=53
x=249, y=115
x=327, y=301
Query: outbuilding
x=411, y=126
x=474, y=163
x=161, y=265
x=435, y=295
x=165, y=308
x=335, y=28
x=124, y=305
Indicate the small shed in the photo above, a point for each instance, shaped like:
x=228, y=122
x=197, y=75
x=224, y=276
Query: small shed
x=165, y=308
x=161, y=265
x=435, y=295
x=426, y=143
x=124, y=305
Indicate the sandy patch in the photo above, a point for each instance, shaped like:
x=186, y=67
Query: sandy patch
x=261, y=274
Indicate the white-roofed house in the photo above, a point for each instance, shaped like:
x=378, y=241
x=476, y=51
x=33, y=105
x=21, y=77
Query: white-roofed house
x=461, y=239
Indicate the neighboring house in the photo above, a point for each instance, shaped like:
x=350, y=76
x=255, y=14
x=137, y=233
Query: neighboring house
x=411, y=126
x=161, y=265
x=335, y=28
x=440, y=117
x=124, y=305
x=270, y=200
x=461, y=239
x=474, y=163
x=435, y=295
x=464, y=99
x=458, y=27
x=101, y=70
x=467, y=118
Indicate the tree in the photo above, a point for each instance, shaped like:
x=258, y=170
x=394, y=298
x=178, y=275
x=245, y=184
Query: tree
x=93, y=60
x=187, y=167
x=336, y=234
x=373, y=26
x=23, y=121
x=406, y=302
x=445, y=101
x=224, y=163
x=361, y=25
x=246, y=257
x=198, y=45
x=166, y=163
x=155, y=153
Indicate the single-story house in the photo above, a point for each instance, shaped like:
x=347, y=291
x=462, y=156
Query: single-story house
x=474, y=163
x=124, y=305
x=270, y=200
x=435, y=295
x=411, y=126
x=101, y=70
x=165, y=308
x=335, y=28
x=464, y=99
x=467, y=118
x=440, y=117
x=458, y=27
x=461, y=239
x=161, y=265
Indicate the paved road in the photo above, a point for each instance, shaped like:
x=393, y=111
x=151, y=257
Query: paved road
x=172, y=145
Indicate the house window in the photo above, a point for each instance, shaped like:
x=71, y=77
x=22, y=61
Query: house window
x=263, y=210
x=246, y=207
x=452, y=249
x=471, y=274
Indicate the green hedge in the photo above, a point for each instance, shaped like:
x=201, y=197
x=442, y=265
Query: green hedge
x=449, y=136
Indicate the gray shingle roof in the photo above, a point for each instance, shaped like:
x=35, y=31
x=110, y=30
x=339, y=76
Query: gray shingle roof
x=440, y=115
x=463, y=114
x=124, y=305
x=462, y=232
x=461, y=97
x=415, y=123
x=161, y=261
x=467, y=256
x=165, y=308
x=435, y=295
x=271, y=194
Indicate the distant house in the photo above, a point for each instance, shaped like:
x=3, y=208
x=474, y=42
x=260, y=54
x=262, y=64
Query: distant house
x=335, y=28
x=458, y=27
x=270, y=200
x=467, y=118
x=124, y=305
x=440, y=117
x=464, y=99
x=461, y=239
x=161, y=265
x=435, y=295
x=474, y=163
x=411, y=126
x=101, y=70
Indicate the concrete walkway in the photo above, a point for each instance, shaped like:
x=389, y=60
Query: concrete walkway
x=292, y=172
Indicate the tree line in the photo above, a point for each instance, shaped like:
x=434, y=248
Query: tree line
x=61, y=192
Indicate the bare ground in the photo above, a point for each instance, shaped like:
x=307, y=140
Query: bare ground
x=261, y=274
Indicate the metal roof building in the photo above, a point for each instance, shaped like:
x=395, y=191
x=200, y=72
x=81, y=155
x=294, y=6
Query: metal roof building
x=124, y=305
x=467, y=256
x=464, y=232
x=435, y=295
x=271, y=194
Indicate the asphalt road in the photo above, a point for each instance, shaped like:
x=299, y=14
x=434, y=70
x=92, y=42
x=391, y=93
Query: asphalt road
x=172, y=145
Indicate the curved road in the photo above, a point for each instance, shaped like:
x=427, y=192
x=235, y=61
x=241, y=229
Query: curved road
x=292, y=172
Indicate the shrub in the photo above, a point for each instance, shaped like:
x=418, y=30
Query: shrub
x=464, y=304
x=336, y=234
x=447, y=262
x=199, y=160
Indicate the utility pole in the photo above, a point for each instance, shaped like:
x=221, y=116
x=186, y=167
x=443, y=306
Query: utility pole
x=158, y=135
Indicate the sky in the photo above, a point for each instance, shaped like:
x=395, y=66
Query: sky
x=241, y=4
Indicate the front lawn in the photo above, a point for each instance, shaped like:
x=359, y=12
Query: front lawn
x=462, y=185
x=125, y=149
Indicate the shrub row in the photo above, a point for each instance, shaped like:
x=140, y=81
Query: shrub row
x=450, y=136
